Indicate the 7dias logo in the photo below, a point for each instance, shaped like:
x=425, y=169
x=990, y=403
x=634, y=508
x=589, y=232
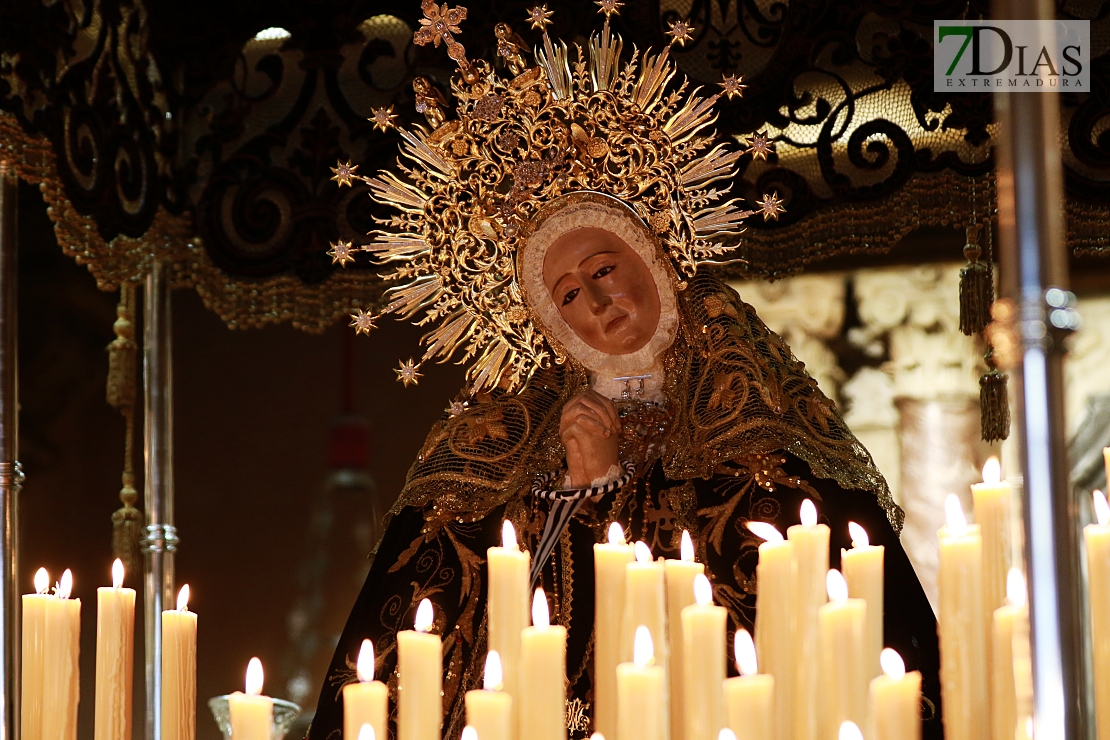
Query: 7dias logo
x=1019, y=56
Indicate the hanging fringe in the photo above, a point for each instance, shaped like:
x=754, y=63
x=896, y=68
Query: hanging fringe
x=994, y=403
x=127, y=522
x=976, y=287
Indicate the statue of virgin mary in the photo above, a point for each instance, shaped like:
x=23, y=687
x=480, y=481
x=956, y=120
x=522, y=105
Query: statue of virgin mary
x=612, y=381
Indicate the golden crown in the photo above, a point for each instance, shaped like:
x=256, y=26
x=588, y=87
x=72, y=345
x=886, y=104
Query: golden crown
x=469, y=187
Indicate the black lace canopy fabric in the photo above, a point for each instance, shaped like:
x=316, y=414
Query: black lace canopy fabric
x=749, y=436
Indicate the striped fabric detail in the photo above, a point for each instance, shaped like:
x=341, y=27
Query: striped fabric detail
x=564, y=504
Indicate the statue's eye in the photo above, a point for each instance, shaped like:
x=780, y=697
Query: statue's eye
x=604, y=271
x=570, y=296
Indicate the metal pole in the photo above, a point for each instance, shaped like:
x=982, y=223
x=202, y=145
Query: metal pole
x=1035, y=272
x=11, y=476
x=160, y=542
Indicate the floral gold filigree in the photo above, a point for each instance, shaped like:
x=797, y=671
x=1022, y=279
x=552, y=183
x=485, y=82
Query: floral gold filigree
x=468, y=189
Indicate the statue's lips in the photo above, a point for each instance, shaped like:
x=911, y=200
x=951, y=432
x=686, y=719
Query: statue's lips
x=614, y=323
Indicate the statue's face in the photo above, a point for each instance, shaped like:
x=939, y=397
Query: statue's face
x=603, y=289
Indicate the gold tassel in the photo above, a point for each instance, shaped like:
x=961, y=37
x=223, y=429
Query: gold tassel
x=127, y=523
x=994, y=403
x=976, y=289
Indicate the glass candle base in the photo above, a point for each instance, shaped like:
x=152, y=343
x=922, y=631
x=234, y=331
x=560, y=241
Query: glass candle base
x=284, y=714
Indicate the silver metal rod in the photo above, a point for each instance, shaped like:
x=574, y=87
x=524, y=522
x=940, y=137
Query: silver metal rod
x=160, y=542
x=11, y=476
x=1034, y=262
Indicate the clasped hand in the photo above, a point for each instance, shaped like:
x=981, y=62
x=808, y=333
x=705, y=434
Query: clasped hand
x=590, y=430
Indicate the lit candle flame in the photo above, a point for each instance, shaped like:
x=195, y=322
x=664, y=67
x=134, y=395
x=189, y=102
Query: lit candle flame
x=117, y=573
x=42, y=581
x=366, y=732
x=183, y=598
x=643, y=552
x=836, y=585
x=616, y=534
x=364, y=666
x=468, y=733
x=703, y=590
x=541, y=616
x=643, y=650
x=743, y=649
x=992, y=471
x=954, y=514
x=808, y=513
x=893, y=665
x=494, y=677
x=255, y=677
x=1015, y=588
x=686, y=548
x=726, y=734
x=65, y=586
x=424, y=616
x=1102, y=509
x=850, y=731
x=508, y=536
x=859, y=535
x=764, y=531
x=597, y=736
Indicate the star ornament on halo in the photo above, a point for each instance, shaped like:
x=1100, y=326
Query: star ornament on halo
x=383, y=118
x=681, y=32
x=344, y=172
x=732, y=86
x=341, y=253
x=363, y=321
x=408, y=374
x=610, y=7
x=759, y=146
x=540, y=17
x=771, y=206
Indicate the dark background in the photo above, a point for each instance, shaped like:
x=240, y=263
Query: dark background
x=253, y=411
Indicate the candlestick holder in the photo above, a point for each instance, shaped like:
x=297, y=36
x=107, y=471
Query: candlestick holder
x=285, y=712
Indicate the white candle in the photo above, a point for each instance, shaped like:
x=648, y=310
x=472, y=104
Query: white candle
x=543, y=668
x=992, y=514
x=34, y=639
x=1007, y=625
x=849, y=731
x=489, y=709
x=703, y=632
x=811, y=553
x=420, y=665
x=680, y=575
x=774, y=619
x=115, y=649
x=962, y=629
x=365, y=703
x=863, y=570
x=252, y=713
x=610, y=561
x=61, y=681
x=646, y=605
x=1097, y=538
x=750, y=696
x=179, y=670
x=641, y=699
x=843, y=677
x=895, y=701
x=507, y=607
